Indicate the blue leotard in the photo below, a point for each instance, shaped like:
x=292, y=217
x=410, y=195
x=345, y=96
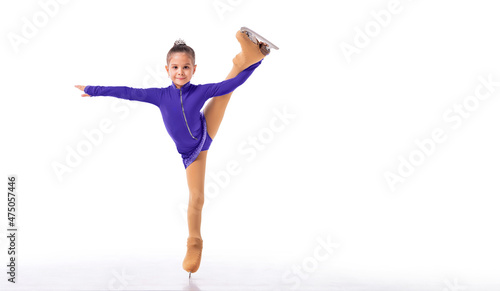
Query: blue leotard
x=180, y=108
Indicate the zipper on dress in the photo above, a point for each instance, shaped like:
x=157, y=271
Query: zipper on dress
x=185, y=119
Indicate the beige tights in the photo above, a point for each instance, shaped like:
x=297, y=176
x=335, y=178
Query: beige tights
x=214, y=112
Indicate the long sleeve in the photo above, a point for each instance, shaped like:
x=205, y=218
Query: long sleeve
x=150, y=95
x=228, y=86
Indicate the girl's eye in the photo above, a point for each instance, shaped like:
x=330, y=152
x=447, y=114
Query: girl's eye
x=186, y=67
x=174, y=67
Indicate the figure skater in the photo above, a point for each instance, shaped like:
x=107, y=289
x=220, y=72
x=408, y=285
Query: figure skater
x=191, y=128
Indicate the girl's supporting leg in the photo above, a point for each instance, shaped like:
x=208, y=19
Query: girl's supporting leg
x=195, y=173
x=216, y=107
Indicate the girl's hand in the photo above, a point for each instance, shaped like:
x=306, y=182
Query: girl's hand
x=82, y=88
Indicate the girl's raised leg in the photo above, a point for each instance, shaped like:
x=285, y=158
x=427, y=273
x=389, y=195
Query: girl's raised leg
x=195, y=174
x=216, y=107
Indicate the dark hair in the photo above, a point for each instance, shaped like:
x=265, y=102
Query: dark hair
x=181, y=47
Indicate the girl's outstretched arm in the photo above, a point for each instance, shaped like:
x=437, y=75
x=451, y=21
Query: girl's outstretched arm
x=228, y=86
x=150, y=95
x=81, y=87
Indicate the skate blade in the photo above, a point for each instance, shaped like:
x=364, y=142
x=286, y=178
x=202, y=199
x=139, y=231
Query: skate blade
x=253, y=35
x=189, y=275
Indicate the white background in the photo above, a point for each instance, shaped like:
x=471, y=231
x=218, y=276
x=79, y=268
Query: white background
x=321, y=175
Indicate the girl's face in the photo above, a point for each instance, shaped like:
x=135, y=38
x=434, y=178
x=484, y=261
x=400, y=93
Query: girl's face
x=180, y=69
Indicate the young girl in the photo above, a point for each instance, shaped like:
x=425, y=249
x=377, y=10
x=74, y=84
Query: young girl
x=192, y=129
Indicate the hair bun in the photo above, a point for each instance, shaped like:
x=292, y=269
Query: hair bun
x=179, y=42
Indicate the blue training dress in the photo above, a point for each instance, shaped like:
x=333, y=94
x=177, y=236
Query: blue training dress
x=180, y=108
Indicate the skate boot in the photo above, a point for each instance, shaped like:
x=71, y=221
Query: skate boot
x=264, y=45
x=252, y=50
x=193, y=255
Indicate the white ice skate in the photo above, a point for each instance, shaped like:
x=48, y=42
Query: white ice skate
x=255, y=37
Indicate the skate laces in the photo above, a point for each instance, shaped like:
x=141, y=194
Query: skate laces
x=252, y=37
